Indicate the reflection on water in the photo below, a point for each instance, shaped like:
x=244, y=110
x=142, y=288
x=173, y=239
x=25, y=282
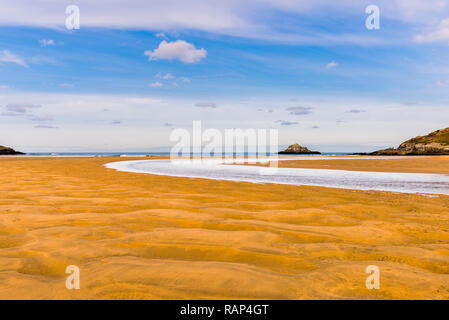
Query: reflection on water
x=214, y=169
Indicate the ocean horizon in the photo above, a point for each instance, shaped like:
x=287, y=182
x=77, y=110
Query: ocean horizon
x=144, y=154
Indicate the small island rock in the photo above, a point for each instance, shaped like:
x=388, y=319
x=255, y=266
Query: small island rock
x=297, y=149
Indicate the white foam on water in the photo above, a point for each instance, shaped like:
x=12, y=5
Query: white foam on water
x=360, y=180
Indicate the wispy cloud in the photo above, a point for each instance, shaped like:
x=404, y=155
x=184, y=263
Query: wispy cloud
x=43, y=126
x=6, y=56
x=286, y=122
x=331, y=65
x=355, y=111
x=205, y=105
x=440, y=34
x=45, y=42
x=10, y=114
x=39, y=118
x=177, y=50
x=249, y=19
x=299, y=110
x=156, y=84
x=161, y=35
x=21, y=108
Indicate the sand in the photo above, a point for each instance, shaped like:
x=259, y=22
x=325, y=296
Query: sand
x=137, y=236
x=438, y=164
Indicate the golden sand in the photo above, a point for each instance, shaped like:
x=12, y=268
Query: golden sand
x=140, y=236
x=439, y=164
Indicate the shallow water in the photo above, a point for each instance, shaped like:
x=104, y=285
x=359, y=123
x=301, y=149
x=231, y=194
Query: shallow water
x=359, y=180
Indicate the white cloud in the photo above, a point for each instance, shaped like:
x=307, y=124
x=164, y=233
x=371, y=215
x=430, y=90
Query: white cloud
x=10, y=114
x=39, y=118
x=185, y=80
x=247, y=18
x=205, y=105
x=286, y=123
x=155, y=84
x=6, y=56
x=299, y=110
x=43, y=126
x=167, y=76
x=177, y=50
x=161, y=35
x=84, y=126
x=45, y=43
x=3, y=86
x=440, y=34
x=355, y=111
x=331, y=64
x=21, y=108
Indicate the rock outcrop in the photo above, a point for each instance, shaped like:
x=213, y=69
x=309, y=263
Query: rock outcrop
x=8, y=151
x=435, y=143
x=297, y=149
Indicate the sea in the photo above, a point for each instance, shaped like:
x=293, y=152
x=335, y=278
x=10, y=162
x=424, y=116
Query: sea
x=140, y=154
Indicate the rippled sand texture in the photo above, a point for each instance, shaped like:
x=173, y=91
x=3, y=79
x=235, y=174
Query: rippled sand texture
x=156, y=237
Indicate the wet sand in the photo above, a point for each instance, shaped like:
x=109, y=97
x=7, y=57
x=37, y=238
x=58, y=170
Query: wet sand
x=138, y=236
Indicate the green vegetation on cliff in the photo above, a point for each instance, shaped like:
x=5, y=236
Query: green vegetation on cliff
x=435, y=143
x=439, y=136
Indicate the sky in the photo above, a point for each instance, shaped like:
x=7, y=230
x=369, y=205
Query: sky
x=134, y=71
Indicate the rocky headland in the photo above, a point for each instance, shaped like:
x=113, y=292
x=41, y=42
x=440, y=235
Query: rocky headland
x=435, y=143
x=8, y=151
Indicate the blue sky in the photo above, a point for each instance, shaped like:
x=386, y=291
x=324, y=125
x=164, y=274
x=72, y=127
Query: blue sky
x=131, y=74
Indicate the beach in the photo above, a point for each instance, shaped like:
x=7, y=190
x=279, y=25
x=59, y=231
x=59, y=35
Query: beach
x=142, y=236
x=424, y=164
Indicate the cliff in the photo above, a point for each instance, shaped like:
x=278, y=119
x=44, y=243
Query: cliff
x=435, y=143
